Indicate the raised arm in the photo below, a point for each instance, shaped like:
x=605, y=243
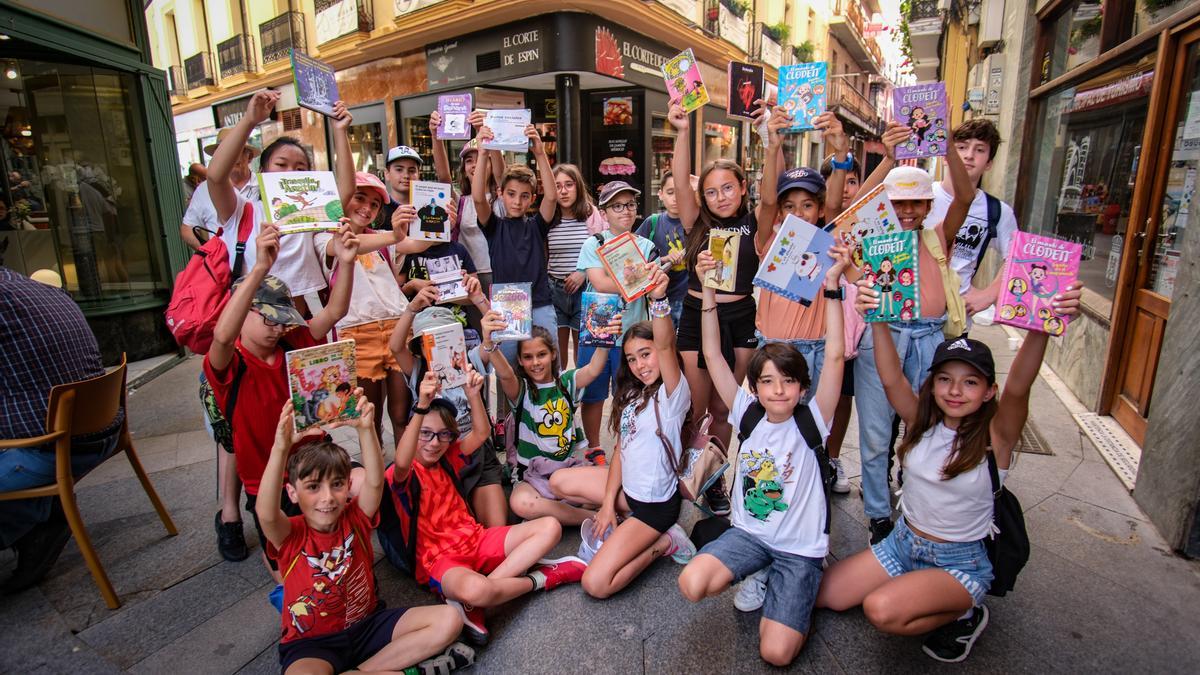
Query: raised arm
x=588, y=373
x=663, y=328
x=768, y=199
x=220, y=186
x=441, y=162
x=406, y=447
x=229, y=324
x=372, y=456
x=722, y=377
x=479, y=181
x=274, y=522
x=345, y=249
x=895, y=134
x=505, y=375
x=887, y=360
x=681, y=167
x=964, y=194
x=398, y=342
x=343, y=158
x=837, y=141
x=481, y=424
x=829, y=391
x=549, y=205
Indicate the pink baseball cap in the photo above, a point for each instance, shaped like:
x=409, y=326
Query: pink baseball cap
x=368, y=182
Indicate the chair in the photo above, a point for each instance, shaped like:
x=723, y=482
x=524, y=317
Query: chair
x=99, y=400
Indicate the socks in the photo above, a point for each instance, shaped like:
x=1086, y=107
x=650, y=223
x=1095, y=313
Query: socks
x=538, y=578
x=968, y=615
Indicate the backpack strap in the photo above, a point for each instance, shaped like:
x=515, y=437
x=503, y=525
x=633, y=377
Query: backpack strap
x=658, y=431
x=750, y=419
x=653, y=225
x=812, y=436
x=599, y=239
x=236, y=384
x=993, y=225
x=245, y=225
x=993, y=472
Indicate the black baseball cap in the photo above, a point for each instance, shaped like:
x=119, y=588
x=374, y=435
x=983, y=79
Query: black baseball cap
x=803, y=178
x=972, y=352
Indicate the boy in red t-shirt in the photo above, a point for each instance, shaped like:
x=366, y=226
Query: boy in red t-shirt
x=331, y=614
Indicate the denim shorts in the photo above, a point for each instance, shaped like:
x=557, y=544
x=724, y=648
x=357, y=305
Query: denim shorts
x=905, y=551
x=792, y=580
x=568, y=307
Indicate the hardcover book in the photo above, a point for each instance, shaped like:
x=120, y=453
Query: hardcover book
x=508, y=130
x=316, y=84
x=795, y=265
x=923, y=108
x=445, y=350
x=454, y=109
x=625, y=262
x=802, y=92
x=300, y=201
x=890, y=266
x=723, y=246
x=1038, y=268
x=515, y=304
x=745, y=87
x=598, y=311
x=321, y=381
x=433, y=220
x=684, y=84
x=870, y=214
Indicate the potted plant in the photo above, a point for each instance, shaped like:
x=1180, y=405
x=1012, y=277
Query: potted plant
x=778, y=32
x=1159, y=9
x=804, y=52
x=738, y=8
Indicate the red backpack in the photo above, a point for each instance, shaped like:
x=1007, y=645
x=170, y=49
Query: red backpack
x=202, y=288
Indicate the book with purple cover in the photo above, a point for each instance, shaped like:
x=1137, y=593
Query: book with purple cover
x=1038, y=268
x=316, y=83
x=454, y=109
x=922, y=107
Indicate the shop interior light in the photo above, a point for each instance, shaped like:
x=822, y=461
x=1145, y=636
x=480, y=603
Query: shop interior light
x=4, y=37
x=11, y=72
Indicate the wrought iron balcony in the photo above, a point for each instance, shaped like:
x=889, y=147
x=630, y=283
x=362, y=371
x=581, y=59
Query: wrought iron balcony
x=852, y=104
x=279, y=35
x=198, y=70
x=919, y=10
x=236, y=55
x=338, y=18
x=176, y=83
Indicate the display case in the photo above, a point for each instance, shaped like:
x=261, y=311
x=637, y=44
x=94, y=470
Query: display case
x=617, y=143
x=662, y=152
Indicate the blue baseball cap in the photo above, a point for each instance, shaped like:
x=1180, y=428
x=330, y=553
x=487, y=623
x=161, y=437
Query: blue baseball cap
x=803, y=178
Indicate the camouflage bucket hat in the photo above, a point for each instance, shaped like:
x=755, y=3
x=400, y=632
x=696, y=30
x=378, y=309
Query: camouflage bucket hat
x=432, y=317
x=273, y=300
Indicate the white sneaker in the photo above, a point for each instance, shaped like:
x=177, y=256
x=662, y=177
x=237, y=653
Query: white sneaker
x=752, y=593
x=682, y=549
x=841, y=484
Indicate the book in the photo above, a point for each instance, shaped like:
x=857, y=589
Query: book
x=795, y=265
x=625, y=262
x=598, y=310
x=890, y=266
x=445, y=349
x=684, y=84
x=745, y=87
x=923, y=108
x=447, y=275
x=723, y=245
x=1037, y=269
x=316, y=83
x=872, y=213
x=433, y=220
x=515, y=304
x=300, y=201
x=508, y=129
x=802, y=92
x=454, y=109
x=321, y=383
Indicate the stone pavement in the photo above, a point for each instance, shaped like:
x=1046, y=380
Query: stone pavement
x=1102, y=591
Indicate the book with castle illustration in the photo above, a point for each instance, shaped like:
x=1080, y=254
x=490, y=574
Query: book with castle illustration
x=922, y=107
x=300, y=201
x=514, y=301
x=745, y=87
x=445, y=349
x=322, y=381
x=627, y=266
x=723, y=246
x=870, y=214
x=802, y=93
x=454, y=109
x=433, y=220
x=598, y=311
x=890, y=266
x=684, y=84
x=1038, y=268
x=795, y=265
x=316, y=83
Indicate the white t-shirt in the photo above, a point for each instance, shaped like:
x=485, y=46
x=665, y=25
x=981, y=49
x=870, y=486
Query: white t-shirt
x=297, y=264
x=201, y=212
x=974, y=229
x=472, y=238
x=777, y=493
x=959, y=509
x=376, y=295
x=646, y=473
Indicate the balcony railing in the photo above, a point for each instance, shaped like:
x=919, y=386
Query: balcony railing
x=720, y=21
x=198, y=70
x=766, y=48
x=337, y=18
x=236, y=55
x=844, y=94
x=279, y=35
x=176, y=83
x=919, y=10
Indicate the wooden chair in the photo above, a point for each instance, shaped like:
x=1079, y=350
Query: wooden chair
x=77, y=409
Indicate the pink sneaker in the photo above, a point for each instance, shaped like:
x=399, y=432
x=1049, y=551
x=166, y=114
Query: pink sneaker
x=472, y=617
x=559, y=571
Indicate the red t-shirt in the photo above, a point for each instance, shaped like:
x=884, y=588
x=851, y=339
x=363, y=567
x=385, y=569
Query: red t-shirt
x=328, y=577
x=261, y=396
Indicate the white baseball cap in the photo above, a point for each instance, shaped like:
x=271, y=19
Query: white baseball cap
x=908, y=182
x=404, y=152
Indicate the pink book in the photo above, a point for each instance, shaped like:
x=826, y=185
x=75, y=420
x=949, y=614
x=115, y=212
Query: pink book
x=1038, y=268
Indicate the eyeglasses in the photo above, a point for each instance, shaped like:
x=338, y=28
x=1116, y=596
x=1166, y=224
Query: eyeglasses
x=445, y=436
x=267, y=322
x=726, y=190
x=565, y=185
x=623, y=207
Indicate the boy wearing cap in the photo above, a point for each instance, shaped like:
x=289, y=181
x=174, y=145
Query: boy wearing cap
x=666, y=231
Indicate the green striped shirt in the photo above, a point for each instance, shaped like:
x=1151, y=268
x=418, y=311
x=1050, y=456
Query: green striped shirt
x=546, y=424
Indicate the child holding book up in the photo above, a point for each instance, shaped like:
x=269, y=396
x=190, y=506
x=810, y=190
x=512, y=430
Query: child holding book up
x=667, y=233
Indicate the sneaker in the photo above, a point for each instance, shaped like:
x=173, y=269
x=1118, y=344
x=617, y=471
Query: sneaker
x=682, y=549
x=752, y=592
x=456, y=657
x=716, y=498
x=596, y=457
x=472, y=617
x=559, y=571
x=231, y=542
x=37, y=551
x=880, y=529
x=952, y=643
x=841, y=484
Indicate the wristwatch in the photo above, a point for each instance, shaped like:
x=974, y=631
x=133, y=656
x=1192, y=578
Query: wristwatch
x=844, y=166
x=839, y=294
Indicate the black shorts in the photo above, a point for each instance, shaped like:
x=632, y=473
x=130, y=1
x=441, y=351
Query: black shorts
x=848, y=378
x=485, y=469
x=659, y=515
x=348, y=648
x=736, y=320
x=288, y=507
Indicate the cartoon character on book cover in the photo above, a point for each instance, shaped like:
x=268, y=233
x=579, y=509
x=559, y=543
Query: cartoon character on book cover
x=923, y=108
x=1038, y=268
x=301, y=201
x=322, y=381
x=599, y=310
x=870, y=215
x=890, y=266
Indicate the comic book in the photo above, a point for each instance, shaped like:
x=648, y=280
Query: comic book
x=445, y=350
x=871, y=213
x=454, y=109
x=684, y=84
x=515, y=304
x=1037, y=269
x=598, y=310
x=433, y=220
x=795, y=265
x=890, y=265
x=447, y=275
x=923, y=108
x=802, y=92
x=322, y=381
x=745, y=87
x=316, y=83
x=508, y=130
x=625, y=262
x=300, y=201
x=723, y=245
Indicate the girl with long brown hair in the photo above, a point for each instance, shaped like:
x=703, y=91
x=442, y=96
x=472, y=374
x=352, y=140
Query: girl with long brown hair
x=577, y=219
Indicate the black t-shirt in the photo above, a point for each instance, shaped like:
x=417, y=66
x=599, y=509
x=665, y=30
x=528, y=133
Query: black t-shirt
x=747, y=265
x=518, y=248
x=417, y=265
x=383, y=221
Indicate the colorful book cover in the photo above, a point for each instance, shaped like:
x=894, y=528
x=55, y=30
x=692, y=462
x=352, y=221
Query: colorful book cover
x=322, y=381
x=515, y=304
x=454, y=109
x=599, y=310
x=445, y=350
x=870, y=214
x=316, y=83
x=1037, y=269
x=508, y=130
x=745, y=87
x=923, y=108
x=433, y=220
x=300, y=201
x=795, y=265
x=890, y=266
x=447, y=275
x=625, y=262
x=684, y=84
x=802, y=92
x=723, y=246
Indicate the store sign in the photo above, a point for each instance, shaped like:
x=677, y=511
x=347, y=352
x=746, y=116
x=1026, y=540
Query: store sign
x=1122, y=90
x=688, y=9
x=490, y=55
x=408, y=6
x=229, y=113
x=623, y=55
x=336, y=19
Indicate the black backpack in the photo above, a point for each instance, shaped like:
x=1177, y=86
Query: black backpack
x=808, y=429
x=993, y=223
x=1009, y=548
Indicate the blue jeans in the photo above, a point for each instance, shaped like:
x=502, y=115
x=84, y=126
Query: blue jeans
x=915, y=343
x=598, y=391
x=814, y=356
x=568, y=307
x=543, y=316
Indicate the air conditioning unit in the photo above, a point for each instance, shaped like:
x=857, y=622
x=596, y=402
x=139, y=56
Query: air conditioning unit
x=991, y=23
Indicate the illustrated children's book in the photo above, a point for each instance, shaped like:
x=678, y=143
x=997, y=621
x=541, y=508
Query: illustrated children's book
x=745, y=87
x=445, y=350
x=599, y=310
x=300, y=201
x=625, y=262
x=433, y=220
x=891, y=268
x=871, y=213
x=684, y=84
x=447, y=276
x=515, y=304
x=795, y=265
x=454, y=109
x=723, y=245
x=316, y=84
x=802, y=93
x=1037, y=269
x=322, y=380
x=923, y=108
x=508, y=130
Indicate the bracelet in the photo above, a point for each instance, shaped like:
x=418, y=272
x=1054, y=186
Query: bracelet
x=709, y=309
x=494, y=347
x=418, y=410
x=836, y=294
x=660, y=308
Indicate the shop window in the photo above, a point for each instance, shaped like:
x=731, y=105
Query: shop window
x=1074, y=39
x=1180, y=209
x=720, y=142
x=1150, y=12
x=662, y=149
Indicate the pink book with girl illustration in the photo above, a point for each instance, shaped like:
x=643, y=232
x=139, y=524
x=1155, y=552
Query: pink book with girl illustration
x=1038, y=268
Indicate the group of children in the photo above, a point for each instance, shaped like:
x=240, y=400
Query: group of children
x=684, y=351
